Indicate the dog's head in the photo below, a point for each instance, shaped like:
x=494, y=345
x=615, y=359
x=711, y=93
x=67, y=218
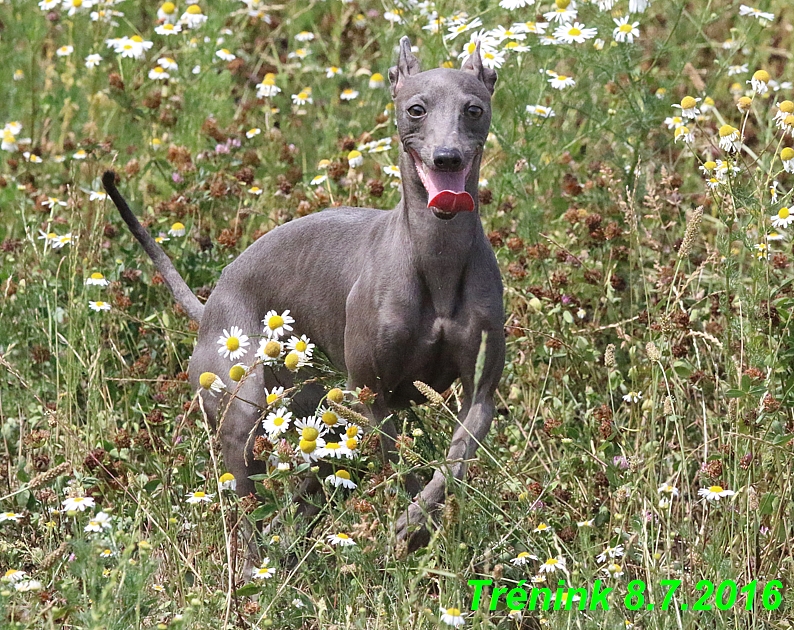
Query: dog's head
x=443, y=117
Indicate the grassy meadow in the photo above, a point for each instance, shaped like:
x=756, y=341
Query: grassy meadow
x=635, y=188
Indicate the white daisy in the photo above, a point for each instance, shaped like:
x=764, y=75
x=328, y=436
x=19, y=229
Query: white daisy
x=277, y=325
x=263, y=572
x=227, y=482
x=97, y=279
x=575, y=33
x=715, y=493
x=452, y=616
x=77, y=504
x=782, y=219
x=341, y=540
x=553, y=564
x=522, y=558
x=234, y=344
x=633, y=397
x=99, y=523
x=198, y=496
x=277, y=422
x=341, y=478
x=610, y=552
x=625, y=32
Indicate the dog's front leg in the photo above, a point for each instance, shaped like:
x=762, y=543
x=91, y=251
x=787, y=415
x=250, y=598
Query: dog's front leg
x=474, y=422
x=411, y=527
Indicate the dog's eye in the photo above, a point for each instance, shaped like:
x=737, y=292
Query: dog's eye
x=416, y=111
x=474, y=111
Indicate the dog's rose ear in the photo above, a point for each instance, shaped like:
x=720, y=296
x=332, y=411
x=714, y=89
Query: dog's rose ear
x=407, y=65
x=474, y=65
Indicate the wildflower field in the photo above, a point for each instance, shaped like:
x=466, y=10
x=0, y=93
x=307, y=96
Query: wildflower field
x=635, y=188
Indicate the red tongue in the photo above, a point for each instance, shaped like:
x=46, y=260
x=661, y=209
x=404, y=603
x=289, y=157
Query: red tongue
x=446, y=191
x=449, y=201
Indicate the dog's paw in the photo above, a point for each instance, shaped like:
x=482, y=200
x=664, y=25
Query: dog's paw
x=412, y=529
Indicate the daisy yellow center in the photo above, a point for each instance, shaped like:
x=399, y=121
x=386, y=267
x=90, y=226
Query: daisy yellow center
x=137, y=39
x=177, y=226
x=301, y=346
x=307, y=446
x=168, y=8
x=562, y=4
x=100, y=304
x=353, y=155
x=225, y=51
x=523, y=554
x=291, y=360
x=351, y=431
x=303, y=96
x=329, y=418
x=77, y=3
x=789, y=121
x=272, y=349
x=786, y=107
x=194, y=9
x=236, y=373
x=762, y=75
x=226, y=477
x=352, y=444
x=275, y=322
x=627, y=28
x=199, y=495
x=552, y=561
x=343, y=536
x=343, y=474
x=710, y=165
x=561, y=77
x=336, y=395
x=207, y=379
x=271, y=398
x=727, y=130
x=377, y=77
x=787, y=154
x=716, y=489
x=575, y=32
x=278, y=421
x=159, y=70
x=454, y=612
x=543, y=526
x=232, y=343
x=97, y=276
x=310, y=434
x=687, y=102
x=783, y=213
x=11, y=572
x=333, y=445
x=168, y=27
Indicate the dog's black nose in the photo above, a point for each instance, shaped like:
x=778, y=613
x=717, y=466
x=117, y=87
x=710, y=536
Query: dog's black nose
x=447, y=159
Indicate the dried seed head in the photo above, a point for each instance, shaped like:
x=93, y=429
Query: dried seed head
x=428, y=392
x=349, y=414
x=668, y=406
x=50, y=475
x=652, y=351
x=692, y=228
x=609, y=356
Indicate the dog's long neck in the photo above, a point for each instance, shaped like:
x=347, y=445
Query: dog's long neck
x=440, y=249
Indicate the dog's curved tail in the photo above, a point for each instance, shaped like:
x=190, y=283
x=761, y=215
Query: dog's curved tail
x=178, y=287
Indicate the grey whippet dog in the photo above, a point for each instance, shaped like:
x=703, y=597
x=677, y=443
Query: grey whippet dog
x=391, y=297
